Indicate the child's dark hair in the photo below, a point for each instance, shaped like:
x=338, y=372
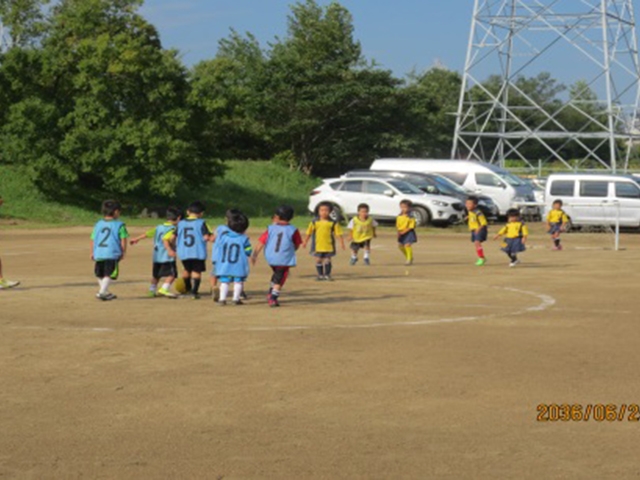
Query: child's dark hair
x=329, y=205
x=513, y=212
x=232, y=212
x=473, y=198
x=196, y=208
x=407, y=203
x=239, y=223
x=173, y=214
x=285, y=213
x=110, y=207
x=558, y=202
x=363, y=205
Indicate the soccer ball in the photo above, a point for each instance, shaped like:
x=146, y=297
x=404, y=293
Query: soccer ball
x=180, y=286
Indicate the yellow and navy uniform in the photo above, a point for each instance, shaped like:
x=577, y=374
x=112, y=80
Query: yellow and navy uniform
x=407, y=224
x=324, y=233
x=362, y=230
x=557, y=216
x=514, y=230
x=476, y=219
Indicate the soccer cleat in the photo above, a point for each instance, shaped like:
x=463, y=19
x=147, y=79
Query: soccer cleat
x=238, y=302
x=514, y=263
x=6, y=284
x=329, y=278
x=408, y=263
x=353, y=261
x=166, y=293
x=481, y=262
x=222, y=303
x=367, y=262
x=152, y=294
x=273, y=302
x=106, y=297
x=320, y=278
x=195, y=296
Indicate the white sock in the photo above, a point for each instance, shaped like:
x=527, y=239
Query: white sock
x=104, y=285
x=354, y=256
x=367, y=254
x=152, y=287
x=237, y=291
x=166, y=286
x=224, y=291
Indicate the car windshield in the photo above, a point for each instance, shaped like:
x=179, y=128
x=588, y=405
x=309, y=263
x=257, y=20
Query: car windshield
x=509, y=178
x=406, y=188
x=449, y=187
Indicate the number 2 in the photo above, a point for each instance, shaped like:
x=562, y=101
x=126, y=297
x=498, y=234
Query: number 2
x=106, y=232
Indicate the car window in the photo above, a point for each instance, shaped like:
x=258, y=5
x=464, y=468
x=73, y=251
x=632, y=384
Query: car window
x=375, y=188
x=592, y=188
x=459, y=178
x=336, y=185
x=405, y=187
x=627, y=190
x=352, y=186
x=563, y=188
x=488, y=180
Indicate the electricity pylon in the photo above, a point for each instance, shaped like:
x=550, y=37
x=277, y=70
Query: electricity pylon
x=593, y=41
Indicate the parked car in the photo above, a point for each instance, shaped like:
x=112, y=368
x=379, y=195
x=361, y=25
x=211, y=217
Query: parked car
x=504, y=188
x=594, y=199
x=383, y=195
x=434, y=184
x=538, y=187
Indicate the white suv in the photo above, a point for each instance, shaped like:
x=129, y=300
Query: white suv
x=383, y=195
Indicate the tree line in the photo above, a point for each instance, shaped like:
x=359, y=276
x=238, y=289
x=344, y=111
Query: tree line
x=92, y=103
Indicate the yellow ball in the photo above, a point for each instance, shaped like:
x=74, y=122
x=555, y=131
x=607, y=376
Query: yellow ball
x=180, y=286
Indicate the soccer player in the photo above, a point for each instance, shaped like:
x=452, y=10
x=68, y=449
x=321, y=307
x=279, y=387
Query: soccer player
x=323, y=233
x=515, y=233
x=191, y=237
x=280, y=243
x=4, y=283
x=219, y=232
x=557, y=220
x=363, y=230
x=478, y=226
x=233, y=250
x=108, y=247
x=164, y=255
x=406, y=226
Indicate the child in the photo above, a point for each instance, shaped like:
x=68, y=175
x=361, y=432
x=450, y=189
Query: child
x=478, y=226
x=363, y=230
x=164, y=255
x=515, y=233
x=108, y=247
x=556, y=223
x=280, y=243
x=191, y=238
x=233, y=250
x=323, y=233
x=220, y=231
x=406, y=225
x=4, y=283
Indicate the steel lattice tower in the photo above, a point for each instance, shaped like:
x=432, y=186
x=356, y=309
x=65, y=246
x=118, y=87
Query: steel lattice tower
x=594, y=41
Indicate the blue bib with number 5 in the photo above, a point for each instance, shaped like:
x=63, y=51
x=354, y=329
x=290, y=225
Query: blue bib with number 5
x=190, y=241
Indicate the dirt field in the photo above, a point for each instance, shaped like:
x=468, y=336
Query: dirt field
x=434, y=371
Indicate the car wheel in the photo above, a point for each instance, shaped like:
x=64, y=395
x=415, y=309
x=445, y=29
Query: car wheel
x=422, y=216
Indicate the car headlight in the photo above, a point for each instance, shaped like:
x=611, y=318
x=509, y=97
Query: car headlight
x=439, y=203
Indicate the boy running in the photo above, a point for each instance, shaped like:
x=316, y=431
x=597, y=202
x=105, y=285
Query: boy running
x=406, y=225
x=363, y=230
x=233, y=250
x=280, y=243
x=4, y=283
x=108, y=247
x=515, y=233
x=164, y=255
x=323, y=232
x=478, y=227
x=556, y=223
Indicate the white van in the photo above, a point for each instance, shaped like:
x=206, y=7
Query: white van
x=506, y=190
x=594, y=199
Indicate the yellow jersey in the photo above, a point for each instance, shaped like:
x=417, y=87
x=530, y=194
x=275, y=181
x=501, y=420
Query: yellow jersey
x=557, y=216
x=324, y=233
x=514, y=230
x=405, y=222
x=362, y=230
x=476, y=219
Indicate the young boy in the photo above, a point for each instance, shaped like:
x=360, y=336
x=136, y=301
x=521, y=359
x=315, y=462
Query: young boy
x=191, y=237
x=233, y=250
x=363, y=230
x=556, y=223
x=515, y=233
x=220, y=231
x=406, y=225
x=164, y=255
x=4, y=283
x=108, y=247
x=280, y=243
x=478, y=226
x=323, y=233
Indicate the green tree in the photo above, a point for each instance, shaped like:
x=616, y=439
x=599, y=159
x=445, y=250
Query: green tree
x=24, y=21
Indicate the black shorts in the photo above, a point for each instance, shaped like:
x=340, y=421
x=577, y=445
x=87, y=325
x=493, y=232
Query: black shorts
x=280, y=275
x=107, y=268
x=163, y=270
x=194, y=265
x=355, y=246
